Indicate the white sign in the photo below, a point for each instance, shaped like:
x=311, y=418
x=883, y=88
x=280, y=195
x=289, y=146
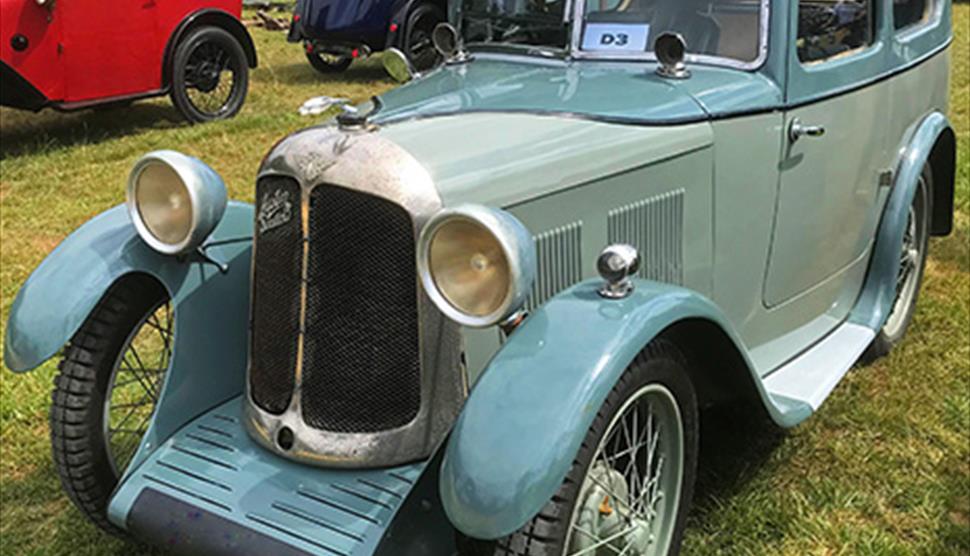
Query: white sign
x=616, y=36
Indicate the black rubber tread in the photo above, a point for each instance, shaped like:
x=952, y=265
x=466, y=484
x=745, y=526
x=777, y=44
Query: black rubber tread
x=882, y=344
x=661, y=361
x=325, y=67
x=78, y=445
x=180, y=98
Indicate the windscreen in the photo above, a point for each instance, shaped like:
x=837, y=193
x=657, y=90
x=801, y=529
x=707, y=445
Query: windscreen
x=721, y=28
x=515, y=23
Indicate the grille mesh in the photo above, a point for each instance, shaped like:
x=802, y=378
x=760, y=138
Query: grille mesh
x=361, y=366
x=277, y=273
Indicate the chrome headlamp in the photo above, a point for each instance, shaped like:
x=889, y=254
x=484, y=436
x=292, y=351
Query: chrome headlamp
x=477, y=264
x=175, y=201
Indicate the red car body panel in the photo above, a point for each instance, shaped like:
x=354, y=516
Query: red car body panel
x=84, y=51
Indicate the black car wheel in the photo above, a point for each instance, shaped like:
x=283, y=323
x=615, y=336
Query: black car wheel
x=328, y=63
x=210, y=75
x=106, y=391
x=417, y=43
x=630, y=486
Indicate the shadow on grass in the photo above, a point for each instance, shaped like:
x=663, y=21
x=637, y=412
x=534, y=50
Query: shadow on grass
x=24, y=133
x=44, y=517
x=735, y=443
x=303, y=74
x=953, y=249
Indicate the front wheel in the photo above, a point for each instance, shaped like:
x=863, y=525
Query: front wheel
x=630, y=485
x=328, y=63
x=210, y=75
x=106, y=391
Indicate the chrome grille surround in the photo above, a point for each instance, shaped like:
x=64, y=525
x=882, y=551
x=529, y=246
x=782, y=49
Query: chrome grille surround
x=363, y=161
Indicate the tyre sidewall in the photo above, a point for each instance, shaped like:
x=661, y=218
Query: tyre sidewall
x=82, y=386
x=325, y=67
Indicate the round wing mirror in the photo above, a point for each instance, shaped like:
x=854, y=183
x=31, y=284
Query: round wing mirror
x=445, y=39
x=397, y=65
x=670, y=49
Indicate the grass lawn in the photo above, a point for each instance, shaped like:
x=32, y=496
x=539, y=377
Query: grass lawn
x=883, y=468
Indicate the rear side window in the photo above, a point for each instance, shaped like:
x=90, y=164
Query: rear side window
x=828, y=28
x=910, y=12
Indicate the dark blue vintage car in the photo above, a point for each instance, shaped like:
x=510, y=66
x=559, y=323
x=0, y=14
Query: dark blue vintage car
x=334, y=32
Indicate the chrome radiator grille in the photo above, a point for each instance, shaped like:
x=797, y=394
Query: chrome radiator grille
x=361, y=357
x=352, y=365
x=277, y=272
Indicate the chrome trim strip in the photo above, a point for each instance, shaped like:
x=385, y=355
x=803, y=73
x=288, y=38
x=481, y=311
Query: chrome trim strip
x=364, y=161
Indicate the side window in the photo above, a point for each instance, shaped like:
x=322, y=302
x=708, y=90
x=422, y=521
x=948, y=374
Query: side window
x=827, y=28
x=910, y=12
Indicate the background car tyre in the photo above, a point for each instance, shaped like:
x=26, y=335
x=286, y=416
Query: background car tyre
x=105, y=392
x=417, y=43
x=912, y=263
x=610, y=495
x=328, y=63
x=210, y=75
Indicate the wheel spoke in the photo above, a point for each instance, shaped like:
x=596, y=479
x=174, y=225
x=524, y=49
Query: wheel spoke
x=604, y=542
x=638, y=456
x=130, y=408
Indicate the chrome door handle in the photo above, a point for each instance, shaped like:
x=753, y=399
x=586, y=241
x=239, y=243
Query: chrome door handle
x=797, y=129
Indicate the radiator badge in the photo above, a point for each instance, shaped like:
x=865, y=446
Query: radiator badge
x=274, y=210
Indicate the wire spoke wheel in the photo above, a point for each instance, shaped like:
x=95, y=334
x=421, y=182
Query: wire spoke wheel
x=911, y=259
x=211, y=78
x=210, y=75
x=628, y=501
x=135, y=385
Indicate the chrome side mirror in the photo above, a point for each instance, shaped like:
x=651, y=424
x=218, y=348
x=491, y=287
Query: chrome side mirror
x=670, y=49
x=397, y=65
x=447, y=42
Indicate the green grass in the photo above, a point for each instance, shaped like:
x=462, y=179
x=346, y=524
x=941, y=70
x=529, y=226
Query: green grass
x=884, y=468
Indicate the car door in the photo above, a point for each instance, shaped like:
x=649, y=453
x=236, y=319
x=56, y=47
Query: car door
x=833, y=154
x=29, y=38
x=109, y=48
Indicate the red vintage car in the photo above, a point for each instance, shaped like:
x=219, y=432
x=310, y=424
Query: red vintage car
x=74, y=54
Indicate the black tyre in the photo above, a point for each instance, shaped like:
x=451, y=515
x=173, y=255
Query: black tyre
x=210, y=75
x=912, y=263
x=631, y=497
x=328, y=63
x=106, y=390
x=417, y=43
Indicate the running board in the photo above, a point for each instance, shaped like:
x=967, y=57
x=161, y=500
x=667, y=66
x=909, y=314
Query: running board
x=808, y=379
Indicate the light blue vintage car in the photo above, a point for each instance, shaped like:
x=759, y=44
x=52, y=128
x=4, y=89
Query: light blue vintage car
x=482, y=313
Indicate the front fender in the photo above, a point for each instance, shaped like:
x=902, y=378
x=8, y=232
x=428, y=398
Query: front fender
x=879, y=293
x=526, y=417
x=63, y=290
x=211, y=309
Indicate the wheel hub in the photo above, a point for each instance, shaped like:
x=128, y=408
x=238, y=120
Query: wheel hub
x=207, y=77
x=606, y=515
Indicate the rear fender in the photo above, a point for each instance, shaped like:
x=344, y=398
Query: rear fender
x=211, y=308
x=216, y=18
x=877, y=298
x=525, y=419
